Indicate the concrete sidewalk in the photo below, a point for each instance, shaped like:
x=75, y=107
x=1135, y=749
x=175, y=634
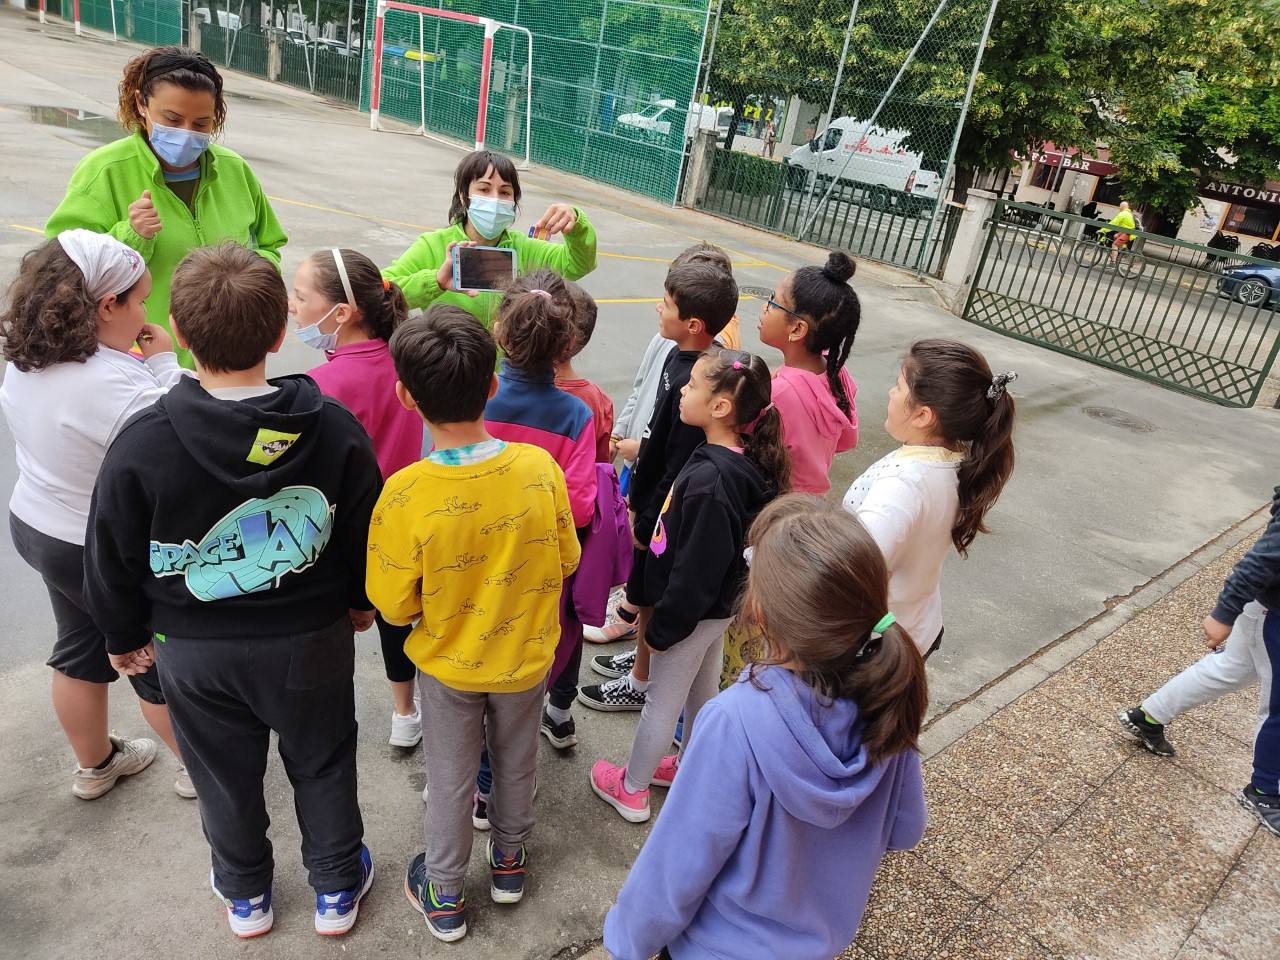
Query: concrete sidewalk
x=1052, y=836
x=1117, y=482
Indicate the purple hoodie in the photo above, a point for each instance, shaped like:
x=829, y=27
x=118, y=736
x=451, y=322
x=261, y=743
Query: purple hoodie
x=772, y=832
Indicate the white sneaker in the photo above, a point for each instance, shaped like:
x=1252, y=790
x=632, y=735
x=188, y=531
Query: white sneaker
x=405, y=731
x=246, y=918
x=132, y=756
x=183, y=786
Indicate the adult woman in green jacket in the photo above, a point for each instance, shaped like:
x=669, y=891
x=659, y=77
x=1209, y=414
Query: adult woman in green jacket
x=164, y=189
x=486, y=195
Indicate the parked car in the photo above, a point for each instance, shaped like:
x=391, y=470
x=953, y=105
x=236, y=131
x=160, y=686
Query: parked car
x=882, y=171
x=1253, y=285
x=654, y=121
x=227, y=21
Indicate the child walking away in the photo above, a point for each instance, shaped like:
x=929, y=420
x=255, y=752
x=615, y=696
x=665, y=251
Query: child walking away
x=567, y=379
x=74, y=311
x=809, y=764
x=230, y=519
x=342, y=306
x=698, y=300
x=474, y=543
x=1243, y=636
x=954, y=420
x=535, y=326
x=812, y=317
x=695, y=567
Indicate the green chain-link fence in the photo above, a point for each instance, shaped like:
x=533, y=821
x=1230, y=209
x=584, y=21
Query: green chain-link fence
x=153, y=22
x=613, y=81
x=842, y=116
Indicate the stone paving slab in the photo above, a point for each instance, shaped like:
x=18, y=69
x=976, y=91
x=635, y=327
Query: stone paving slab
x=1052, y=836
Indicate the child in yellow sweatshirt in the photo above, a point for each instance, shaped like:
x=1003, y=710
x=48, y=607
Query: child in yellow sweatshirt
x=473, y=542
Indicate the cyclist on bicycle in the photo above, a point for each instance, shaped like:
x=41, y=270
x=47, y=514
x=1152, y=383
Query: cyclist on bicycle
x=1126, y=222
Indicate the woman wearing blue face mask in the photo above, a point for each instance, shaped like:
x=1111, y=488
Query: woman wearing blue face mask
x=165, y=189
x=486, y=200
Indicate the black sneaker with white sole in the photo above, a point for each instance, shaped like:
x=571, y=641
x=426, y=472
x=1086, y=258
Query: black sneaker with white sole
x=562, y=736
x=1150, y=735
x=615, y=665
x=1264, y=806
x=613, y=696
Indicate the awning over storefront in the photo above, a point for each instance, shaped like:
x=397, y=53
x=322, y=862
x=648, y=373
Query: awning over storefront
x=1268, y=196
x=1072, y=159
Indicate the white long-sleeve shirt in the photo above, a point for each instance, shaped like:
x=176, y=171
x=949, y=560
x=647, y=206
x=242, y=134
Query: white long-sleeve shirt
x=908, y=501
x=62, y=419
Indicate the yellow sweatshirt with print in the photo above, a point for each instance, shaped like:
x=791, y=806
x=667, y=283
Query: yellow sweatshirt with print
x=477, y=554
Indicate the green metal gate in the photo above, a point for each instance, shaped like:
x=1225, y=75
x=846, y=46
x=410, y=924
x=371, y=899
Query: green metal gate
x=1174, y=313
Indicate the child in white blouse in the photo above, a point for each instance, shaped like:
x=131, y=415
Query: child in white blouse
x=954, y=420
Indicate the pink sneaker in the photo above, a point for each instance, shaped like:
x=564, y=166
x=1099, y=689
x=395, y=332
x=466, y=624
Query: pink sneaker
x=607, y=781
x=666, y=771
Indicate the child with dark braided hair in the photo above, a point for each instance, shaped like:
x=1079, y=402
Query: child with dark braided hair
x=812, y=317
x=695, y=567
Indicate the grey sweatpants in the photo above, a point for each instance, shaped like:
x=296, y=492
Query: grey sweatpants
x=1240, y=662
x=682, y=678
x=460, y=724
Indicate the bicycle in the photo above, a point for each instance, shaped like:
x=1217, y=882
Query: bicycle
x=1089, y=254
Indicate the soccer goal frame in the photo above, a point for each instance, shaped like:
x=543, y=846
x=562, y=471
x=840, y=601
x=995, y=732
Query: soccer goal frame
x=491, y=27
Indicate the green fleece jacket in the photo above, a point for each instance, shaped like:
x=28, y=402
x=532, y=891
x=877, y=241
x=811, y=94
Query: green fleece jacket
x=415, y=271
x=229, y=205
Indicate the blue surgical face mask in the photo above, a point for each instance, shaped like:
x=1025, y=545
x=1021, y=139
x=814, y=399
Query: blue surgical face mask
x=312, y=336
x=491, y=216
x=177, y=147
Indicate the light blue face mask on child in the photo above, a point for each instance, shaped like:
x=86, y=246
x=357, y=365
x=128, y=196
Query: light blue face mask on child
x=490, y=216
x=312, y=336
x=177, y=147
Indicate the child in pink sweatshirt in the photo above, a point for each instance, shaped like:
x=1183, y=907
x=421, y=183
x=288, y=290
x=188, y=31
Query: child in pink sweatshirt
x=343, y=307
x=812, y=318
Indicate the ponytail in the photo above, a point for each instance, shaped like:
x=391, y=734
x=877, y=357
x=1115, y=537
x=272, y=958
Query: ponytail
x=823, y=297
x=381, y=304
x=818, y=588
x=746, y=379
x=974, y=411
x=763, y=446
x=535, y=326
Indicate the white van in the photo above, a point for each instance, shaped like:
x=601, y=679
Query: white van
x=882, y=172
x=654, y=121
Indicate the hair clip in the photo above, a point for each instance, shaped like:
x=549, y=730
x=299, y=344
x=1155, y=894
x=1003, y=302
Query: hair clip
x=884, y=623
x=386, y=284
x=737, y=364
x=998, y=384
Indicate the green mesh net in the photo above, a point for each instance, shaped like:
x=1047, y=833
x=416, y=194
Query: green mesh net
x=153, y=22
x=595, y=62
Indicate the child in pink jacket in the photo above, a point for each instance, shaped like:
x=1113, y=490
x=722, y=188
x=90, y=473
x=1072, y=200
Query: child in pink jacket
x=812, y=318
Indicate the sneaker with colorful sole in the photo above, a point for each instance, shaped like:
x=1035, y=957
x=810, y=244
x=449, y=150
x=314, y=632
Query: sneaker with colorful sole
x=336, y=912
x=247, y=918
x=609, y=783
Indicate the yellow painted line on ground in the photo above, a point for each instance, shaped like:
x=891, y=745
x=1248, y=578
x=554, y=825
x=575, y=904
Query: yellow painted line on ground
x=23, y=226
x=747, y=261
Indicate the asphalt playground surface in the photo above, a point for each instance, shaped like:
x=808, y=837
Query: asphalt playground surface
x=1116, y=481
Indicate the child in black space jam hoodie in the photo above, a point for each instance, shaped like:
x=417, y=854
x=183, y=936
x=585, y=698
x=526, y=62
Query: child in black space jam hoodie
x=230, y=522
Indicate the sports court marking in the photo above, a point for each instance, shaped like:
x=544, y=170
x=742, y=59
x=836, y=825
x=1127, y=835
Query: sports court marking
x=749, y=261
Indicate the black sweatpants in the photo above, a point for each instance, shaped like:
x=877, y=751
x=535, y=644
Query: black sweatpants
x=225, y=698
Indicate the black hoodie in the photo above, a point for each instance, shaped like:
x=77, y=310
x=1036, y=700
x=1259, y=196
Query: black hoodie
x=695, y=566
x=231, y=519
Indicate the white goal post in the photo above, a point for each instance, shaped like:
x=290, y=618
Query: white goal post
x=491, y=27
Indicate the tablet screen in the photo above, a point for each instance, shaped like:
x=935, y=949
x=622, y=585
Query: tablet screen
x=485, y=268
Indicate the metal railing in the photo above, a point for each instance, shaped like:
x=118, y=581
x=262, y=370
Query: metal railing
x=867, y=220
x=1148, y=306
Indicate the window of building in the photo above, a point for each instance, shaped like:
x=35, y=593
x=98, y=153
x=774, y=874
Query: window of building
x=1108, y=190
x=1047, y=178
x=1252, y=221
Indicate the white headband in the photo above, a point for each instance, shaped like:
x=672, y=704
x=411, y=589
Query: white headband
x=342, y=275
x=109, y=267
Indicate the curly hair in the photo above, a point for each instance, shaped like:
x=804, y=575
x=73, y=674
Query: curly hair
x=49, y=316
x=535, y=321
x=180, y=66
